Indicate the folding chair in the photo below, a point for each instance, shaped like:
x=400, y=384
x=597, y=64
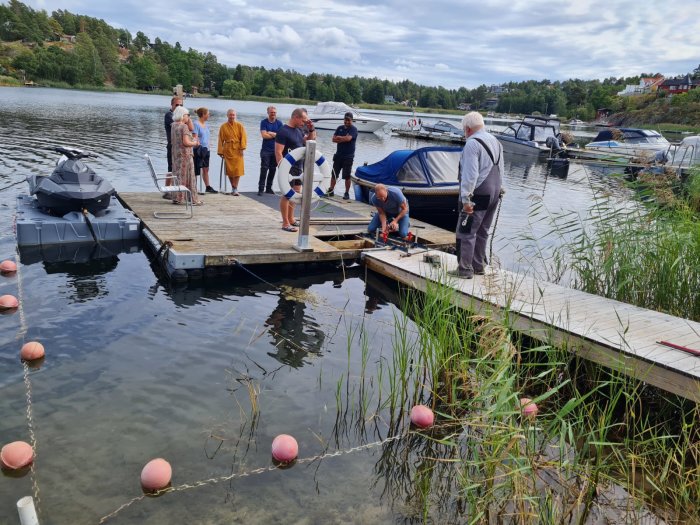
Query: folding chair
x=177, y=188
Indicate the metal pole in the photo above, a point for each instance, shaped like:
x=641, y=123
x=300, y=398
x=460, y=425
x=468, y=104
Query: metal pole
x=27, y=512
x=309, y=164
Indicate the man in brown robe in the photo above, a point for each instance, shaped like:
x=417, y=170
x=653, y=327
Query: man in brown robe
x=232, y=143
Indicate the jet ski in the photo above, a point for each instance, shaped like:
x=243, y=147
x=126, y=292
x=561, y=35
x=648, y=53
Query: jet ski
x=73, y=186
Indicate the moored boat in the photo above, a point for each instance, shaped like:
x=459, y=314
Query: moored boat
x=330, y=115
x=529, y=136
x=426, y=176
x=630, y=141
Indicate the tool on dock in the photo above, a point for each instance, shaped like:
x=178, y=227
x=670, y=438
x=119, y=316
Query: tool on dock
x=680, y=347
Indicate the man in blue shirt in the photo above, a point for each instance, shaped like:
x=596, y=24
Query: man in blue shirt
x=392, y=211
x=345, y=137
x=268, y=165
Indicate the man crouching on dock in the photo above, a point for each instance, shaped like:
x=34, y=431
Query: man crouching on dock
x=392, y=211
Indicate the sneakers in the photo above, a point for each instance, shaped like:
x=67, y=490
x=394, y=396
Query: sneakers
x=480, y=272
x=346, y=196
x=270, y=191
x=234, y=192
x=209, y=189
x=330, y=193
x=467, y=274
x=260, y=193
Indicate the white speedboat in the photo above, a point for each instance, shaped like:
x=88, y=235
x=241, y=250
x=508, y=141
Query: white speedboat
x=630, y=141
x=529, y=136
x=330, y=115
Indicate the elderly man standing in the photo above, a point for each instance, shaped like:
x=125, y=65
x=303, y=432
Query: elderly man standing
x=392, y=211
x=268, y=131
x=481, y=180
x=232, y=143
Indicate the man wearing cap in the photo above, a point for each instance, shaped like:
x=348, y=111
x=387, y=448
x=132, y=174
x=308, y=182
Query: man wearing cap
x=345, y=137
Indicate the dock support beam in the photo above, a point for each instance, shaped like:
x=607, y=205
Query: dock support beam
x=307, y=188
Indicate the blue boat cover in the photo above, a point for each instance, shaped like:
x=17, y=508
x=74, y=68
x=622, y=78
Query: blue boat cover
x=423, y=167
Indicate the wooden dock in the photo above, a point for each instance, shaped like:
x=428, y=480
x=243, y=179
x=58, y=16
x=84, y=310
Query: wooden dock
x=247, y=229
x=614, y=334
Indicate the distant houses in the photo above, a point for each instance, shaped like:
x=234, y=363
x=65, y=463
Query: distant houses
x=675, y=86
x=646, y=85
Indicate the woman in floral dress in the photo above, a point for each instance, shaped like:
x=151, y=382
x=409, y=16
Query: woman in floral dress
x=183, y=162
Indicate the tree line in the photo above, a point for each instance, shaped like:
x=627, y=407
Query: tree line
x=79, y=50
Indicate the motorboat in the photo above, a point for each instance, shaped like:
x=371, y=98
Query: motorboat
x=330, y=115
x=73, y=186
x=428, y=177
x=631, y=141
x=442, y=126
x=576, y=122
x=529, y=136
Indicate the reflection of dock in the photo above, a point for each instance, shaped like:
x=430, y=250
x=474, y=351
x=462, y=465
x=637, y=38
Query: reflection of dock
x=429, y=135
x=230, y=230
x=614, y=334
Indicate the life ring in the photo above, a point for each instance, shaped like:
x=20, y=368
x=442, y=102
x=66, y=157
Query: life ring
x=412, y=122
x=320, y=182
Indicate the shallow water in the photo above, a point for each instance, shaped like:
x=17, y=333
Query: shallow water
x=137, y=369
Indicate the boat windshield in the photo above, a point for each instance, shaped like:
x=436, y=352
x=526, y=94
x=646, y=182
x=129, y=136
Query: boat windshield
x=333, y=108
x=412, y=172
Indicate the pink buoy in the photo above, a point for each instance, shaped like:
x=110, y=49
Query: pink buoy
x=8, y=266
x=422, y=416
x=16, y=455
x=8, y=302
x=31, y=351
x=528, y=408
x=156, y=474
x=285, y=448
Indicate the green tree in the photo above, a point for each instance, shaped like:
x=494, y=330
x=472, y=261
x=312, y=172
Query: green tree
x=91, y=70
x=233, y=89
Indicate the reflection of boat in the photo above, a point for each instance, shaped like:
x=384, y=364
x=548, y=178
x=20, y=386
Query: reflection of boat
x=529, y=136
x=630, y=141
x=329, y=115
x=73, y=186
x=71, y=255
x=427, y=176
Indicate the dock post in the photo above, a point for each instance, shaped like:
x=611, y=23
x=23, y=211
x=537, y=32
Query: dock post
x=27, y=512
x=309, y=162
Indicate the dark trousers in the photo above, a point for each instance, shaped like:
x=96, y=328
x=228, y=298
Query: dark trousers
x=268, y=167
x=169, y=149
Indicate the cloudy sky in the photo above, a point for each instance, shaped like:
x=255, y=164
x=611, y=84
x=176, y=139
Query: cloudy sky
x=451, y=43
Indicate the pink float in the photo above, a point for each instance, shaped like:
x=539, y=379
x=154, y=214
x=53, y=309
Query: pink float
x=8, y=302
x=422, y=416
x=16, y=455
x=31, y=351
x=8, y=267
x=156, y=474
x=528, y=408
x=285, y=448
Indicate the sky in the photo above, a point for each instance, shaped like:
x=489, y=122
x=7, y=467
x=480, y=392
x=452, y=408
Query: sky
x=449, y=43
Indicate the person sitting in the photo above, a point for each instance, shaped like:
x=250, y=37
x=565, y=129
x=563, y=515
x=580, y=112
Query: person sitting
x=287, y=209
x=392, y=211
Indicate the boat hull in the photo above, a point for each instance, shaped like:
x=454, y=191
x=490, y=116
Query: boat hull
x=362, y=125
x=522, y=147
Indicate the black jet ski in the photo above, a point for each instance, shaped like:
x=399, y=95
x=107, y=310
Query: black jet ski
x=73, y=186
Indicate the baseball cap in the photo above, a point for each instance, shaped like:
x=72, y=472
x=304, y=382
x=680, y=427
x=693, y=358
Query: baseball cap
x=349, y=115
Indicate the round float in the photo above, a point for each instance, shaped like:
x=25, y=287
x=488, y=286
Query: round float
x=32, y=351
x=7, y=267
x=156, y=475
x=422, y=416
x=285, y=448
x=16, y=455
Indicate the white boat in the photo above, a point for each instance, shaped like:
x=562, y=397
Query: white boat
x=330, y=115
x=630, y=141
x=529, y=136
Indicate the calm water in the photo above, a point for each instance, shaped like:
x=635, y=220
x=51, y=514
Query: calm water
x=137, y=369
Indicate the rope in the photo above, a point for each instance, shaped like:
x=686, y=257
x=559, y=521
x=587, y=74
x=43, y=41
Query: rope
x=13, y=184
x=261, y=470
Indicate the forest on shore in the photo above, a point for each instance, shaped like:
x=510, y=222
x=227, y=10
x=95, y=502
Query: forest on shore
x=63, y=49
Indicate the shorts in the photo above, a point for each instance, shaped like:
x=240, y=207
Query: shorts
x=343, y=164
x=201, y=159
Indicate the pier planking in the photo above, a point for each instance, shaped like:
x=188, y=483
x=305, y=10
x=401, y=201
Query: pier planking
x=614, y=334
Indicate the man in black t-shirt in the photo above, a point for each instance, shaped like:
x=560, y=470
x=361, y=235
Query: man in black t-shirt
x=345, y=137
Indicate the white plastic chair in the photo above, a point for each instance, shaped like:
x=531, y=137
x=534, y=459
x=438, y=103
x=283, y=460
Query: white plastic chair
x=187, y=213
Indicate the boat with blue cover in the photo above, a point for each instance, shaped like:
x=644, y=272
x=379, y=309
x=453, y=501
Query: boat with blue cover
x=426, y=176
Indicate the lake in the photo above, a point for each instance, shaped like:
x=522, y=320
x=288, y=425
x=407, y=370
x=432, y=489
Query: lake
x=207, y=374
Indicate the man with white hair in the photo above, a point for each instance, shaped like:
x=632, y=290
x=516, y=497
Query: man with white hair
x=480, y=175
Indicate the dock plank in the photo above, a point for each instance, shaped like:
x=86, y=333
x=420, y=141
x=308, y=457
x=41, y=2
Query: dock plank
x=614, y=334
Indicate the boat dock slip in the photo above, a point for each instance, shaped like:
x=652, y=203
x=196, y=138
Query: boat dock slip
x=248, y=230
x=614, y=334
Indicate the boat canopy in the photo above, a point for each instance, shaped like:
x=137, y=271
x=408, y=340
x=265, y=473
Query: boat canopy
x=631, y=136
x=333, y=108
x=423, y=167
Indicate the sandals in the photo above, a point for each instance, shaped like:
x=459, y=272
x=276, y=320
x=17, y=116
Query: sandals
x=290, y=228
x=200, y=203
x=295, y=223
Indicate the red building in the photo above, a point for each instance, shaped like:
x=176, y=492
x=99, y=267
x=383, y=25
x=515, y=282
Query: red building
x=673, y=86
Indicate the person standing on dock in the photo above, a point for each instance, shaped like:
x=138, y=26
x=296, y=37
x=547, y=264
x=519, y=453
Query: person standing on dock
x=233, y=141
x=183, y=140
x=481, y=181
x=392, y=211
x=345, y=137
x=201, y=152
x=268, y=165
x=292, y=135
x=175, y=102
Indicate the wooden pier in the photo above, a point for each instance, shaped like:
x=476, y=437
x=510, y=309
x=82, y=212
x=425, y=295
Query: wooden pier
x=614, y=334
x=247, y=229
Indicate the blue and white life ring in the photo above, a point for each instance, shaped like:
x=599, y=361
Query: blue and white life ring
x=322, y=178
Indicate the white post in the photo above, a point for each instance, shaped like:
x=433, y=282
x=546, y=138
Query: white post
x=306, y=191
x=27, y=513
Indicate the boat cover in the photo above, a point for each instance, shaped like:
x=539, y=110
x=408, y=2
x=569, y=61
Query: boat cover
x=423, y=167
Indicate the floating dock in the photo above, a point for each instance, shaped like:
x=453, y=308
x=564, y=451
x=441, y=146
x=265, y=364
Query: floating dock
x=429, y=135
x=616, y=335
x=247, y=230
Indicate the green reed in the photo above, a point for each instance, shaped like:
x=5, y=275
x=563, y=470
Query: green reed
x=600, y=436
